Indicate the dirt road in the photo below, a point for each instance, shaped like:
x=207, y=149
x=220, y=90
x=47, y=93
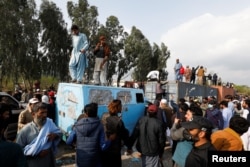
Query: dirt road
x=66, y=157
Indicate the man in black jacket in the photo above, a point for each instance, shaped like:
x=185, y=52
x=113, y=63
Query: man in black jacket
x=193, y=74
x=151, y=138
x=200, y=130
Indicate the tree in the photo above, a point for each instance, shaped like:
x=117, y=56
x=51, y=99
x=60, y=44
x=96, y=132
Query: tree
x=115, y=31
x=143, y=58
x=55, y=41
x=164, y=56
x=18, y=39
x=138, y=54
x=160, y=57
x=33, y=44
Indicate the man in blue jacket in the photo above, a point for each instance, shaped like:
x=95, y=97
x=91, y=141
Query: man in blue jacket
x=89, y=135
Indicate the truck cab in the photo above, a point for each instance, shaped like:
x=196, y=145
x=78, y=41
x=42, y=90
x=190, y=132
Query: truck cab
x=71, y=99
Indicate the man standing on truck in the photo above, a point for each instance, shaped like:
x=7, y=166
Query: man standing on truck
x=200, y=75
x=78, y=60
x=193, y=74
x=177, y=68
x=187, y=74
x=102, y=53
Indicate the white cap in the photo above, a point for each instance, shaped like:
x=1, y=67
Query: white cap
x=45, y=99
x=164, y=101
x=33, y=100
x=188, y=103
x=210, y=106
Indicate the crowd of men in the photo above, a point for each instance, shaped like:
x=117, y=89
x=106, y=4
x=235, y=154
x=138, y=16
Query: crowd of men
x=196, y=75
x=36, y=131
x=198, y=127
x=193, y=129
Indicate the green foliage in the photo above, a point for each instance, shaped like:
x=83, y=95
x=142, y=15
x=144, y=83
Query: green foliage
x=55, y=42
x=18, y=40
x=138, y=54
x=242, y=89
x=47, y=81
x=115, y=32
x=36, y=45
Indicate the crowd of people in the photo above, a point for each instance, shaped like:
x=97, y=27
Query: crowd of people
x=79, y=61
x=192, y=127
x=198, y=127
x=36, y=130
x=37, y=137
x=196, y=75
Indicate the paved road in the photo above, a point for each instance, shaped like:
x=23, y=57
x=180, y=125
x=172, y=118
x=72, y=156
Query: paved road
x=66, y=157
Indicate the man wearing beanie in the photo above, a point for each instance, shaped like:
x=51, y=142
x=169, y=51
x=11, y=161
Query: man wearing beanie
x=151, y=138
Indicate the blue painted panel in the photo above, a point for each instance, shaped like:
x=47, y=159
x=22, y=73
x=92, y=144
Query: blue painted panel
x=71, y=99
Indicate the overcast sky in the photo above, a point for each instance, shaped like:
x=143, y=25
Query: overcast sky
x=211, y=33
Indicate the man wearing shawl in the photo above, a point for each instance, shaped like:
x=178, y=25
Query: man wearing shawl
x=39, y=138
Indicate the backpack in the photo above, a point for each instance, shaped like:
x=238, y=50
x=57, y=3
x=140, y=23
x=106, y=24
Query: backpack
x=182, y=70
x=215, y=116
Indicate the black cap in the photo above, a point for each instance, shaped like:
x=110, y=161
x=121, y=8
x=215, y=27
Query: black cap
x=198, y=122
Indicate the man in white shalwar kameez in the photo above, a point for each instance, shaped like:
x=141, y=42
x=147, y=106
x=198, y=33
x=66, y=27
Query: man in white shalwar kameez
x=78, y=60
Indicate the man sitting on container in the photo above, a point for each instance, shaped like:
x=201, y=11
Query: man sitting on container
x=154, y=75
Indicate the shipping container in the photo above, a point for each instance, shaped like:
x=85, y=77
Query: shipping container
x=179, y=90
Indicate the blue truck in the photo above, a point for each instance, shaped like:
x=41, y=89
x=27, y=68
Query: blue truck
x=71, y=99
